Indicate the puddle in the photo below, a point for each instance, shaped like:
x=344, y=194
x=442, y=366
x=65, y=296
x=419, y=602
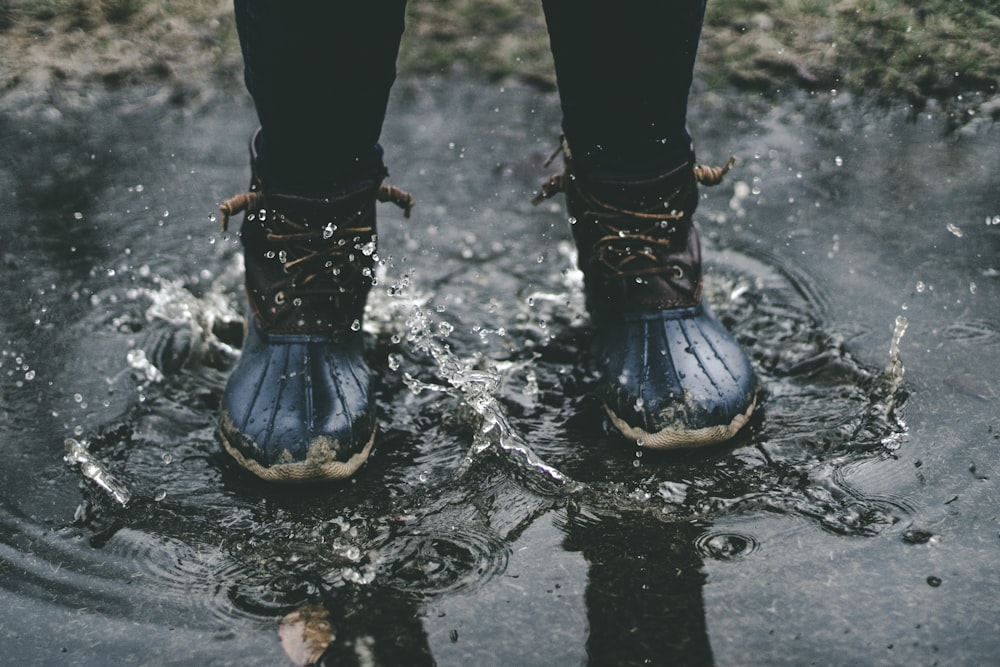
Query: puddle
x=496, y=502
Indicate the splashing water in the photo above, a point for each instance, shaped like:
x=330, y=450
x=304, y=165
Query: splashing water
x=894, y=370
x=90, y=467
x=477, y=389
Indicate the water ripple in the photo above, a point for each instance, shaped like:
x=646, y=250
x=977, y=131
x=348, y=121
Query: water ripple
x=485, y=429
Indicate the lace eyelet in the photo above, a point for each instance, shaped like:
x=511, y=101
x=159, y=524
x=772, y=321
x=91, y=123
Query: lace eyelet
x=678, y=271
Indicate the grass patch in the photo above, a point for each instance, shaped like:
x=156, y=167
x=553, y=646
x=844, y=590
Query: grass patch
x=909, y=49
x=890, y=48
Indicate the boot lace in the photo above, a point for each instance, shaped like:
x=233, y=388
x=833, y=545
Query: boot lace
x=642, y=247
x=309, y=253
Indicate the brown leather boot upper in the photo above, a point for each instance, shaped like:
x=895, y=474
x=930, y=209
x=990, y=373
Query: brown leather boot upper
x=637, y=246
x=310, y=262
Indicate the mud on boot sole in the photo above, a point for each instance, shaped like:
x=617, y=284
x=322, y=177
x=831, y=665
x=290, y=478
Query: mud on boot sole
x=319, y=465
x=676, y=436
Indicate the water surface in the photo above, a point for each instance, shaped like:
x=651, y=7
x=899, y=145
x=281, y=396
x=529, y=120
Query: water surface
x=854, y=251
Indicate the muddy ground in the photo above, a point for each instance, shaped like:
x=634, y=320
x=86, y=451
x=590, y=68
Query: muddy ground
x=65, y=54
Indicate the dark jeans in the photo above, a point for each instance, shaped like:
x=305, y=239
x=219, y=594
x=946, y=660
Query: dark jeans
x=320, y=74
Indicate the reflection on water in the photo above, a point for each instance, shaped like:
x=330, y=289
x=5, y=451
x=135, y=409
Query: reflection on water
x=488, y=429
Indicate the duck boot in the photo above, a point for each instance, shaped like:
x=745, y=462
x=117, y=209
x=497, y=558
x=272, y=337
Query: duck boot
x=297, y=406
x=672, y=376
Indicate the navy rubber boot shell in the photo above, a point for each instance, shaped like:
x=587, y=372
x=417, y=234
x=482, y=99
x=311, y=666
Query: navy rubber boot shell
x=672, y=377
x=297, y=406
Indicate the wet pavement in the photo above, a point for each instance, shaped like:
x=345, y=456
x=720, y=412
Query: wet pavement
x=855, y=251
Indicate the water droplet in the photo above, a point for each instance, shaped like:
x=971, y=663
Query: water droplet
x=30, y=375
x=296, y=302
x=328, y=230
x=78, y=215
x=839, y=161
x=972, y=287
x=356, y=325
x=77, y=397
x=395, y=360
x=921, y=286
x=269, y=254
x=954, y=230
x=160, y=495
x=167, y=457
x=572, y=220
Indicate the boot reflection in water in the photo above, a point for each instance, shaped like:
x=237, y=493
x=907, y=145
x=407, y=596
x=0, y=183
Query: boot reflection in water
x=645, y=604
x=297, y=406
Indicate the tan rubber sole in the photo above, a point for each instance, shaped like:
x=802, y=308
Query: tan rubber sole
x=319, y=465
x=673, y=437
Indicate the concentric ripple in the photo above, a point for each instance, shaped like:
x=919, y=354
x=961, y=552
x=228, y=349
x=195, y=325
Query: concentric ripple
x=721, y=545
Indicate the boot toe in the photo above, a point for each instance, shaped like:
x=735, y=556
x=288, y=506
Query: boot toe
x=297, y=407
x=674, y=379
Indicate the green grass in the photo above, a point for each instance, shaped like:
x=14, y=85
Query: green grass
x=890, y=48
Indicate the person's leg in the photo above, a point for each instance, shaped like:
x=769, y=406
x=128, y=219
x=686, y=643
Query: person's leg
x=297, y=406
x=624, y=69
x=672, y=376
x=320, y=75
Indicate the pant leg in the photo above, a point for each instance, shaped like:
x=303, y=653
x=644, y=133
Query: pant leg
x=319, y=73
x=624, y=69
